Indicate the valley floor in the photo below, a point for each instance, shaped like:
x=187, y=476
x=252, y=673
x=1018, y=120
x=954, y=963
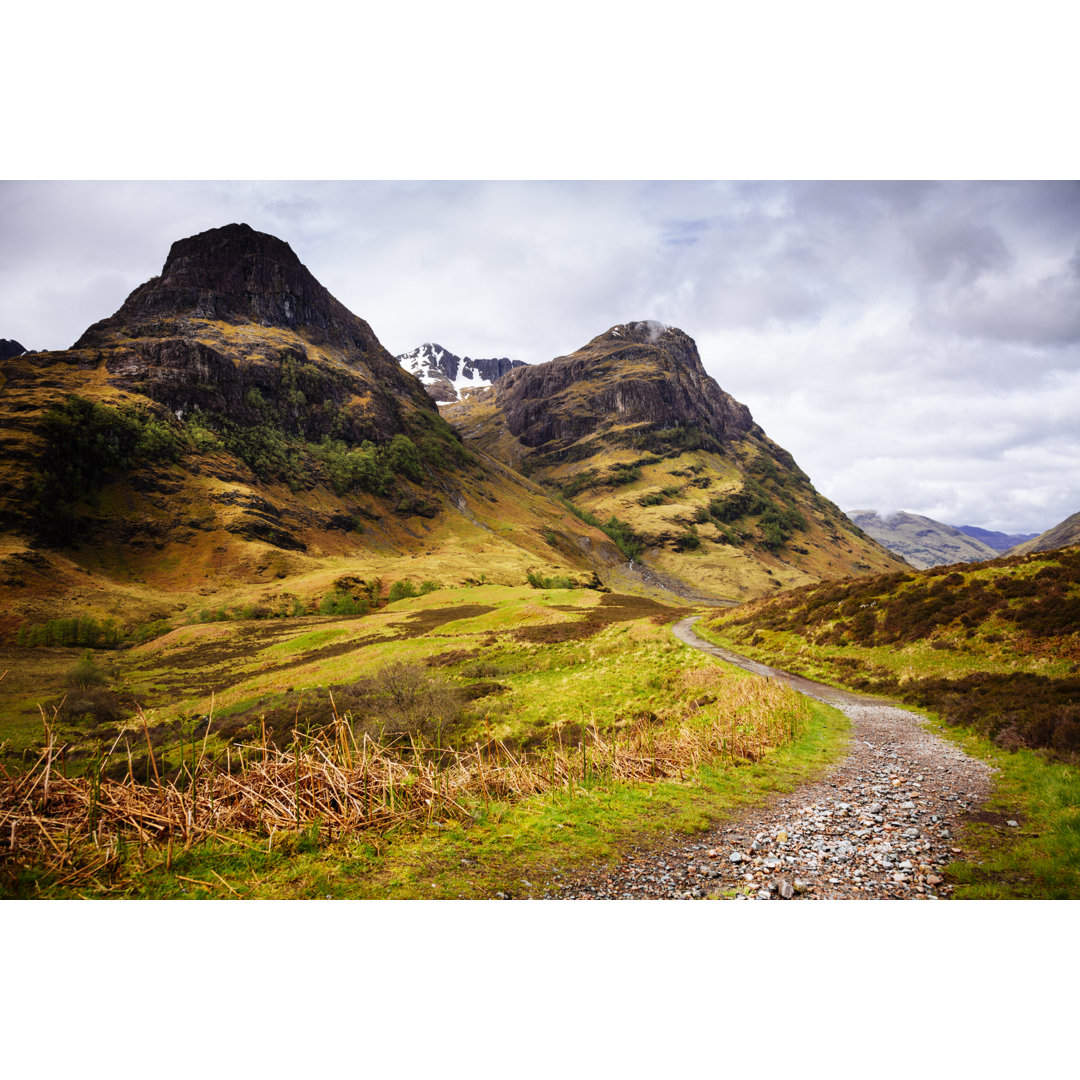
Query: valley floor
x=906, y=815
x=881, y=825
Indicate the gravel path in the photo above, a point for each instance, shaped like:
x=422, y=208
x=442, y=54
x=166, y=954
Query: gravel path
x=880, y=825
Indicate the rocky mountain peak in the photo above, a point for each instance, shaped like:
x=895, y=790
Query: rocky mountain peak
x=9, y=348
x=677, y=344
x=447, y=376
x=238, y=275
x=637, y=374
x=235, y=327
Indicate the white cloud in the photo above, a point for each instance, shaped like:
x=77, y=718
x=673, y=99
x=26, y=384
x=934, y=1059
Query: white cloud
x=915, y=345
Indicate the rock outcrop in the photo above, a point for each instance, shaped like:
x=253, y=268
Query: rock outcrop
x=639, y=375
x=9, y=348
x=236, y=324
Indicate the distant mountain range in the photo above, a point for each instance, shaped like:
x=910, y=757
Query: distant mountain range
x=447, y=377
x=921, y=541
x=924, y=542
x=999, y=541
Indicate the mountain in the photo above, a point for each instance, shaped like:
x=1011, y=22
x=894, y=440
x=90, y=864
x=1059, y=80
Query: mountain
x=1064, y=534
x=447, y=377
x=920, y=540
x=10, y=348
x=233, y=423
x=632, y=430
x=999, y=541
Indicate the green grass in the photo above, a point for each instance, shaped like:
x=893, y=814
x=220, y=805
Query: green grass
x=311, y=640
x=521, y=849
x=1039, y=859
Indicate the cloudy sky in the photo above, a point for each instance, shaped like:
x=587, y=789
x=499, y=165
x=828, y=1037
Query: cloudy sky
x=915, y=345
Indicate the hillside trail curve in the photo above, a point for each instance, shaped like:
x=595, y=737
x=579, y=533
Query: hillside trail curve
x=880, y=824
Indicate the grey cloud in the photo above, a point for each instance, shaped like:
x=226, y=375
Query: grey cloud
x=913, y=344
x=960, y=250
x=1044, y=312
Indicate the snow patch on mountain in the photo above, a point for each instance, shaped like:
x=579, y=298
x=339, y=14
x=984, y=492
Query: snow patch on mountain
x=448, y=377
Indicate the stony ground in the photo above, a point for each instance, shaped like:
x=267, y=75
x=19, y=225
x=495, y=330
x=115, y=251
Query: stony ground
x=880, y=825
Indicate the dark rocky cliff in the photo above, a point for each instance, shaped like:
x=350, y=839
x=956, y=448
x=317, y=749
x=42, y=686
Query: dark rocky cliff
x=235, y=311
x=640, y=373
x=9, y=348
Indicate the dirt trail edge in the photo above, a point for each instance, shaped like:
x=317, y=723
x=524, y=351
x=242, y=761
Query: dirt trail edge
x=879, y=825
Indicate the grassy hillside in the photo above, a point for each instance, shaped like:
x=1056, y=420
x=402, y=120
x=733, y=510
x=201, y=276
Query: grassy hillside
x=994, y=652
x=233, y=427
x=1061, y=535
x=447, y=744
x=633, y=432
x=994, y=647
x=736, y=524
x=142, y=517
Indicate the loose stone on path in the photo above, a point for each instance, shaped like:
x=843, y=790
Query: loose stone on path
x=880, y=825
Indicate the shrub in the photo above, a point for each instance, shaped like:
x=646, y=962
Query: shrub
x=342, y=603
x=401, y=590
x=688, y=540
x=727, y=509
x=579, y=482
x=403, y=457
x=85, y=444
x=86, y=673
x=619, y=475
x=538, y=581
x=93, y=704
x=363, y=468
x=627, y=541
x=409, y=505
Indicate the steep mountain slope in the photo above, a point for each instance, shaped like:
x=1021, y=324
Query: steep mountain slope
x=999, y=541
x=232, y=424
x=920, y=540
x=448, y=377
x=1061, y=535
x=9, y=348
x=633, y=430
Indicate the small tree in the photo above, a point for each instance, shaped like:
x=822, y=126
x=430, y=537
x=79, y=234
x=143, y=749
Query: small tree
x=86, y=673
